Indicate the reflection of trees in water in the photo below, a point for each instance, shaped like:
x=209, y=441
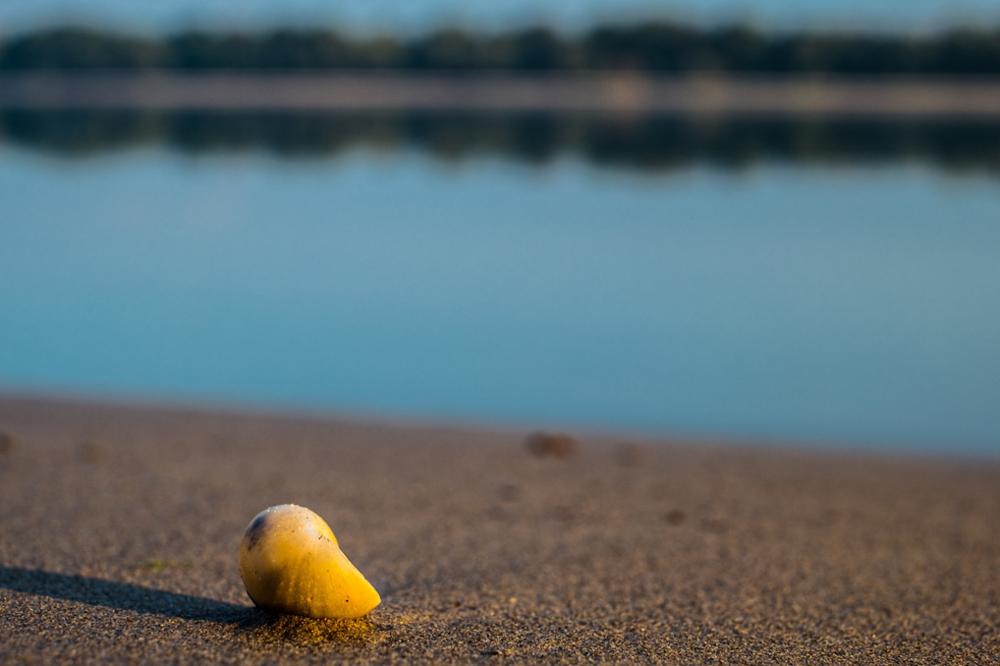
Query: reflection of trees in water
x=640, y=142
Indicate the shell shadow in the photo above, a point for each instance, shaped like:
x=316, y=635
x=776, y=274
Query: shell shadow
x=121, y=596
x=264, y=628
x=250, y=622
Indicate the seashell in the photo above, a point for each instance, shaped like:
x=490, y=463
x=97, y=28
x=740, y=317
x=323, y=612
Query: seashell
x=290, y=562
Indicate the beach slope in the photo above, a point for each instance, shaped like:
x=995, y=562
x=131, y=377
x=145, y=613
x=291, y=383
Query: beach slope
x=120, y=527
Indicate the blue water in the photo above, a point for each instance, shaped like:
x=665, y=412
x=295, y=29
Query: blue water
x=372, y=15
x=841, y=305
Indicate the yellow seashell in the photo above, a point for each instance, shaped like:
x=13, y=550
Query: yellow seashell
x=290, y=562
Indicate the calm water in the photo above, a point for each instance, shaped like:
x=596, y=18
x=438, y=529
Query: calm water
x=834, y=302
x=388, y=14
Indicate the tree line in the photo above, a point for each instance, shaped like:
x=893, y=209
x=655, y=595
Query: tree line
x=652, y=47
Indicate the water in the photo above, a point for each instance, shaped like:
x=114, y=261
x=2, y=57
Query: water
x=840, y=301
x=379, y=15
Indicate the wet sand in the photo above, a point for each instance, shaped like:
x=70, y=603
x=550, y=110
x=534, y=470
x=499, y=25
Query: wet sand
x=586, y=92
x=120, y=526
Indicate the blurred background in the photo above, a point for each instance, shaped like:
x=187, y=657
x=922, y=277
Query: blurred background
x=751, y=221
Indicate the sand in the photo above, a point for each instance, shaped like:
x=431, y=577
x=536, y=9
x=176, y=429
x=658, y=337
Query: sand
x=584, y=92
x=119, y=530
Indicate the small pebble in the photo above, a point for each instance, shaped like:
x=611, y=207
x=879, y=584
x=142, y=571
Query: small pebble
x=554, y=445
x=674, y=517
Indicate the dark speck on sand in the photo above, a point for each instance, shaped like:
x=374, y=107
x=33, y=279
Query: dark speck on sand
x=674, y=517
x=700, y=554
x=6, y=442
x=550, y=444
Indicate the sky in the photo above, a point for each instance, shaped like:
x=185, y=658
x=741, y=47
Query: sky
x=402, y=16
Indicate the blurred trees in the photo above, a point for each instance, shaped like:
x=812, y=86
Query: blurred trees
x=650, y=144
x=654, y=47
x=77, y=48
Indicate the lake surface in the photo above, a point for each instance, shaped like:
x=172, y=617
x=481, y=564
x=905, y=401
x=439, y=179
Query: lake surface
x=847, y=300
x=382, y=15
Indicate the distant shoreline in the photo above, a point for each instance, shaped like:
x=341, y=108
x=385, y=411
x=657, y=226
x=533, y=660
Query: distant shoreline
x=500, y=92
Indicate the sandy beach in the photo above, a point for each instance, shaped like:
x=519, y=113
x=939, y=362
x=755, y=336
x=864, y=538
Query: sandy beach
x=120, y=527
x=592, y=92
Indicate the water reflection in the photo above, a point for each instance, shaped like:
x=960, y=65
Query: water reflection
x=793, y=301
x=648, y=143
